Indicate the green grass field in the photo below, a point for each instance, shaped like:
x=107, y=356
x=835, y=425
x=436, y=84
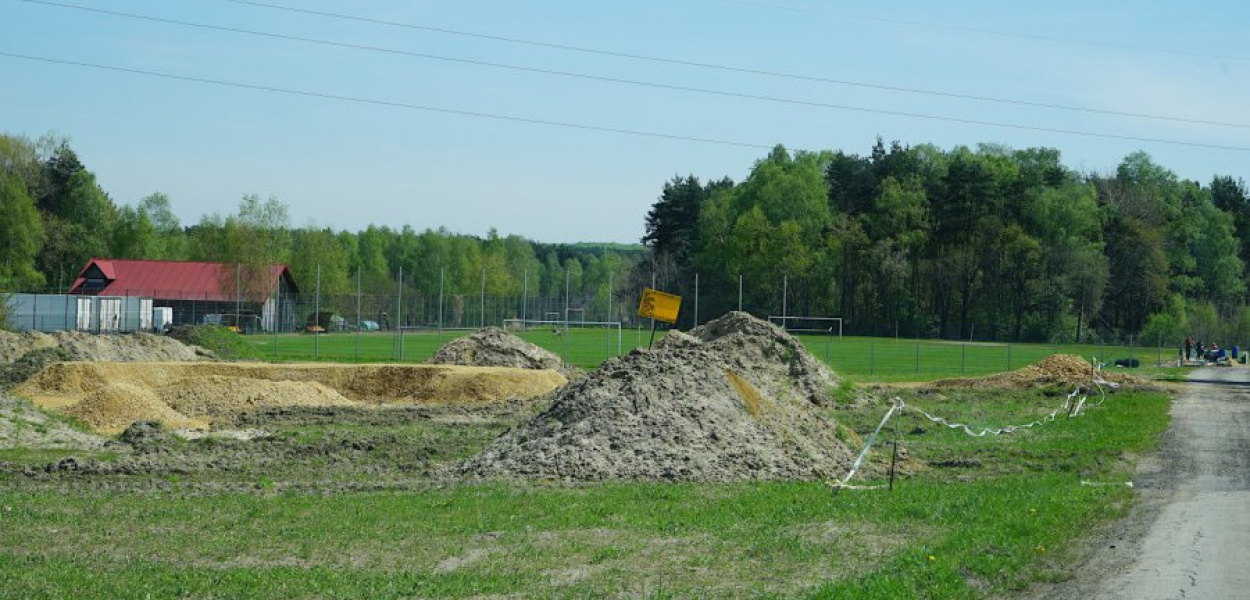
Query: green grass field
x=861, y=359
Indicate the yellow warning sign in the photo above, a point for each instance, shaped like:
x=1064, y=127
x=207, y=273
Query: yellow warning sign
x=659, y=305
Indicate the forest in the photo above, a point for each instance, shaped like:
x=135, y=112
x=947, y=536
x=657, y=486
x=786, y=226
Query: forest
x=990, y=243
x=55, y=217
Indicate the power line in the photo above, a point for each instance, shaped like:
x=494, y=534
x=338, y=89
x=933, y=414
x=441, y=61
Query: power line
x=726, y=68
x=634, y=132
x=388, y=103
x=966, y=29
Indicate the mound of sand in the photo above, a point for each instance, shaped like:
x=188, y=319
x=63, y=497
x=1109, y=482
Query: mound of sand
x=734, y=400
x=78, y=345
x=135, y=347
x=218, y=397
x=1063, y=370
x=113, y=407
x=15, y=345
x=223, y=391
x=493, y=347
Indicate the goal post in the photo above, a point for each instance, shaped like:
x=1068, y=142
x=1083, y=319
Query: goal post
x=561, y=327
x=814, y=325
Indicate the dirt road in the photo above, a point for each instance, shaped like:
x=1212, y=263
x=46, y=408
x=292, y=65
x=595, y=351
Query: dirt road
x=1190, y=538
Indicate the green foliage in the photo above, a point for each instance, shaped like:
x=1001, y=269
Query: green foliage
x=220, y=340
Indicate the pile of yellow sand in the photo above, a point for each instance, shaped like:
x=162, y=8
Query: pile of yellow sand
x=113, y=407
x=176, y=393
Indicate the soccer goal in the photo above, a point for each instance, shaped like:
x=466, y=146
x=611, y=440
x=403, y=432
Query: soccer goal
x=810, y=325
x=584, y=336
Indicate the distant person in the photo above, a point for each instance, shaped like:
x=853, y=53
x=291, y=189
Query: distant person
x=1189, y=347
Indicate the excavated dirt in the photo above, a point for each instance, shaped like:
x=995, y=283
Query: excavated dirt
x=78, y=345
x=493, y=347
x=736, y=399
x=24, y=426
x=1064, y=370
x=113, y=407
x=199, y=394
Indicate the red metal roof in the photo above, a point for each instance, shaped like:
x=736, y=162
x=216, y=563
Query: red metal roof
x=170, y=280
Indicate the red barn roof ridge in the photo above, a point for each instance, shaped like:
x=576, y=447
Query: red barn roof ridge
x=180, y=280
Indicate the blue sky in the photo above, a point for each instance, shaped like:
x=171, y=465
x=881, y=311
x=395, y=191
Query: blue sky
x=347, y=165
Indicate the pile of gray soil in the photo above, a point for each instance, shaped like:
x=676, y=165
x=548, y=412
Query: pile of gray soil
x=78, y=345
x=734, y=400
x=493, y=347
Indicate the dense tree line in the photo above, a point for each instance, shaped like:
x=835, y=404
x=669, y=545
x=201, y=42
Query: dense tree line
x=54, y=217
x=991, y=243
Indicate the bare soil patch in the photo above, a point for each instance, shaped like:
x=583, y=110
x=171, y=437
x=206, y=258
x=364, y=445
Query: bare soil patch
x=109, y=396
x=1063, y=370
x=735, y=399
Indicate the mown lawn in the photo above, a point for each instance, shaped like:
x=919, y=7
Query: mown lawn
x=862, y=359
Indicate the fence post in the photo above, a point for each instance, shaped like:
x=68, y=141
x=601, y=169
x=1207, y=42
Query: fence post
x=565, y=356
x=1008, y=356
x=785, y=298
x=963, y=357
x=399, y=314
x=357, y=313
x=317, y=317
x=610, y=294
x=482, y=318
x=696, y=299
x=872, y=357
x=525, y=295
x=441, y=272
x=739, y=292
x=917, y=358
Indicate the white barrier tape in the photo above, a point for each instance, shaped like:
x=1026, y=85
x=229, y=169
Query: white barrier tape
x=1080, y=395
x=859, y=460
x=1107, y=483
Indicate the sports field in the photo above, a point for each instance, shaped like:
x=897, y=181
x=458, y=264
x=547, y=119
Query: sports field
x=864, y=359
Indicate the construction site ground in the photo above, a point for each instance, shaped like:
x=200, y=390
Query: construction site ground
x=360, y=498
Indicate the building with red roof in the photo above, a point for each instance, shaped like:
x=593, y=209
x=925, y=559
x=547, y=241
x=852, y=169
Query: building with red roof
x=253, y=297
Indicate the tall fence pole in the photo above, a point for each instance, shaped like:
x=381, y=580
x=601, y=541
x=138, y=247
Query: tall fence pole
x=357, y=313
x=317, y=317
x=739, y=292
x=696, y=299
x=785, y=298
x=441, y=272
x=610, y=294
x=277, y=316
x=238, y=296
x=565, y=357
x=525, y=295
x=482, y=319
x=399, y=314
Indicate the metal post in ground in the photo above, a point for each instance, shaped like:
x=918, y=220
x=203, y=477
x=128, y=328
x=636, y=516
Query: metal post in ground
x=441, y=272
x=872, y=358
x=739, y=292
x=963, y=356
x=525, y=294
x=785, y=298
x=277, y=321
x=481, y=321
x=399, y=314
x=316, y=316
x=610, y=294
x=565, y=357
x=894, y=450
x=238, y=296
x=917, y=358
x=358, y=314
x=696, y=299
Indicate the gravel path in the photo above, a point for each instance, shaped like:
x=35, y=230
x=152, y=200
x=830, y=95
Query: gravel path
x=1190, y=537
